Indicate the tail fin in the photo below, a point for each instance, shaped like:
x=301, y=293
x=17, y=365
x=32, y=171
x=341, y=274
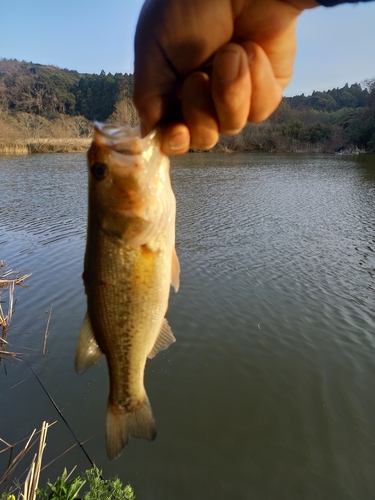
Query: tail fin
x=122, y=425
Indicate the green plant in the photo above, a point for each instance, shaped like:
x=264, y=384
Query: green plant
x=7, y=496
x=101, y=489
x=61, y=489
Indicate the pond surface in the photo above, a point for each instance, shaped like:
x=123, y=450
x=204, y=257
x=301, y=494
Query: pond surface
x=268, y=392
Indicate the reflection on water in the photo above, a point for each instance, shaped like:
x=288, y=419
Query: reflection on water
x=268, y=391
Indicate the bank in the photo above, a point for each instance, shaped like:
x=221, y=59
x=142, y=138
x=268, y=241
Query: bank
x=24, y=147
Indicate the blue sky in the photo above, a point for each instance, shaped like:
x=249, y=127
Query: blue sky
x=335, y=46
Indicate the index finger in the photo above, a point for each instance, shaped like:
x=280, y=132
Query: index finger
x=171, y=42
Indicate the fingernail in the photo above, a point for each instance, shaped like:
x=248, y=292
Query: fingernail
x=228, y=65
x=178, y=141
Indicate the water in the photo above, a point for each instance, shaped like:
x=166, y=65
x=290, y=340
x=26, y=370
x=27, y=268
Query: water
x=268, y=392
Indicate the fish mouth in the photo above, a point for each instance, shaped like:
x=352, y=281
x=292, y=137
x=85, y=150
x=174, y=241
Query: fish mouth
x=122, y=139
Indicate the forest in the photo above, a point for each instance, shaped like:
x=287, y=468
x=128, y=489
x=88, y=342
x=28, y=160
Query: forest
x=45, y=108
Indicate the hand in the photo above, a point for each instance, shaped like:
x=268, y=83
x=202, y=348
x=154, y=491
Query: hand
x=219, y=63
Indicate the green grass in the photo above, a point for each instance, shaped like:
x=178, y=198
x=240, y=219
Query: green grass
x=98, y=488
x=87, y=486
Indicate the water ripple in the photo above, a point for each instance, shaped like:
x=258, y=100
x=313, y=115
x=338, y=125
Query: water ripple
x=270, y=384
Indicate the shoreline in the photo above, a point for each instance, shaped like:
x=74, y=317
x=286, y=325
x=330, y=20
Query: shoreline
x=25, y=147
x=74, y=145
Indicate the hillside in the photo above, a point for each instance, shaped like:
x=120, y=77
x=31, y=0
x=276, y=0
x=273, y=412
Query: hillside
x=45, y=103
x=48, y=90
x=332, y=121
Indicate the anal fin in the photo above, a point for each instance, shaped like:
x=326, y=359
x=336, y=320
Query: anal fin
x=164, y=340
x=175, y=279
x=88, y=352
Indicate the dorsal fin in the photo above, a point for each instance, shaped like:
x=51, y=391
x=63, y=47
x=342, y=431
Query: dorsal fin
x=164, y=340
x=88, y=352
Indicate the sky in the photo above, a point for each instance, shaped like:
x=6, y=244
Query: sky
x=335, y=45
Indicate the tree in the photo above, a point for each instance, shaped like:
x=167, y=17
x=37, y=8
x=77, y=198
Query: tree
x=125, y=113
x=370, y=86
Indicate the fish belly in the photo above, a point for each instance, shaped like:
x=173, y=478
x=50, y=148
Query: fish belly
x=127, y=296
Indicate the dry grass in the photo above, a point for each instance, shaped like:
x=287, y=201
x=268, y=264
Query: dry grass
x=25, y=133
x=12, y=148
x=25, y=146
x=46, y=333
x=31, y=483
x=8, y=280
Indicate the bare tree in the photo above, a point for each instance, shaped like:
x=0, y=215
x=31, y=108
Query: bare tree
x=32, y=126
x=39, y=94
x=82, y=126
x=125, y=113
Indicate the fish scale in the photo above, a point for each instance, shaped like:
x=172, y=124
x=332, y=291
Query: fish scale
x=130, y=263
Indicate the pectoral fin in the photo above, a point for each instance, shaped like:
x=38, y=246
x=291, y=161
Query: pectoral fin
x=175, y=271
x=164, y=340
x=88, y=352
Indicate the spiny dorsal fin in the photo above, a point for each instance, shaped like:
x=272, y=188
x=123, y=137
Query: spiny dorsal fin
x=175, y=271
x=164, y=340
x=88, y=352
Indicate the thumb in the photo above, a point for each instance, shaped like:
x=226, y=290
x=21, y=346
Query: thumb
x=155, y=80
x=154, y=87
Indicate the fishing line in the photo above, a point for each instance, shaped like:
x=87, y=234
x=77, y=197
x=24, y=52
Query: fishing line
x=64, y=419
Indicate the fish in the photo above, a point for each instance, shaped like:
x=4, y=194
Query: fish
x=130, y=264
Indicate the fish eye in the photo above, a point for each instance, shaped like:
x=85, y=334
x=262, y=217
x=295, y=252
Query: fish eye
x=99, y=171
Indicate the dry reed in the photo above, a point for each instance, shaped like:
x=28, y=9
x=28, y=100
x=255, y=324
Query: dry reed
x=12, y=148
x=49, y=145
x=31, y=482
x=8, y=280
x=46, y=333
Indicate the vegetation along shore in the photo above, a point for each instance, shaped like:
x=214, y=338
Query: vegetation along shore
x=46, y=109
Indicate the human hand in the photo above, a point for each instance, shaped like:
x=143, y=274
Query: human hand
x=219, y=63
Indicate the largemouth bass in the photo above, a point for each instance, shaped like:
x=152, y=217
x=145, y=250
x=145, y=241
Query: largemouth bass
x=130, y=263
